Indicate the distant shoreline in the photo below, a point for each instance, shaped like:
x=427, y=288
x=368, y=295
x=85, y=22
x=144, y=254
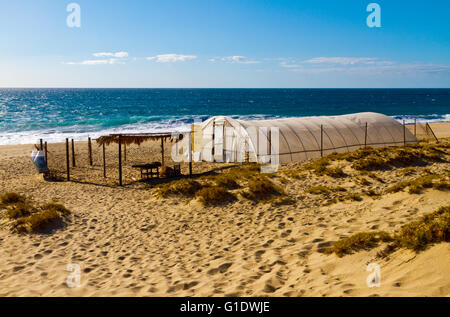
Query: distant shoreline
x=441, y=130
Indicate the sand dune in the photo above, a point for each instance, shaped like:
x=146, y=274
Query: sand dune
x=130, y=243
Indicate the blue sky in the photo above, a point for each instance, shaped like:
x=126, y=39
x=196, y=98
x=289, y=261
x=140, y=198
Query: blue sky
x=215, y=43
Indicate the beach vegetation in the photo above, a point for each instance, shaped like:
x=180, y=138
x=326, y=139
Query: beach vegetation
x=182, y=187
x=11, y=198
x=417, y=235
x=357, y=242
x=262, y=189
x=28, y=218
x=431, y=228
x=418, y=184
x=214, y=195
x=227, y=181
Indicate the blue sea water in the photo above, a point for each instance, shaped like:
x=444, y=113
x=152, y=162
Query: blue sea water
x=54, y=114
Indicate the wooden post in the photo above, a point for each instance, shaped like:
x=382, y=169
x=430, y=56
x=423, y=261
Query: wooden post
x=321, y=140
x=269, y=137
x=365, y=136
x=90, y=151
x=415, y=127
x=432, y=133
x=124, y=152
x=404, y=132
x=213, y=151
x=73, y=154
x=46, y=152
x=190, y=153
x=41, y=145
x=162, y=151
x=120, y=161
x=67, y=160
x=104, y=161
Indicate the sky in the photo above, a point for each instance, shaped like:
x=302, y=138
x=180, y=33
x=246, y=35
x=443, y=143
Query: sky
x=224, y=44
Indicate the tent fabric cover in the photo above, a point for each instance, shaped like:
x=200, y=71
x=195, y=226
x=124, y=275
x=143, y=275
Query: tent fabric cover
x=225, y=139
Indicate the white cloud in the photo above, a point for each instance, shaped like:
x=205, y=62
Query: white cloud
x=109, y=61
x=171, y=58
x=286, y=65
x=374, y=68
x=117, y=55
x=341, y=60
x=239, y=60
x=115, y=58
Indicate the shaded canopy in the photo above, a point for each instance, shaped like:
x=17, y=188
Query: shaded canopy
x=299, y=139
x=137, y=139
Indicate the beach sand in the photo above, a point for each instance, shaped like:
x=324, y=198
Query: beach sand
x=128, y=242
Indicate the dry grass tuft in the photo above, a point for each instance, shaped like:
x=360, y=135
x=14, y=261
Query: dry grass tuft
x=357, y=242
x=320, y=167
x=11, y=198
x=431, y=228
x=30, y=219
x=214, y=196
x=183, y=187
x=417, y=185
x=261, y=189
x=417, y=235
x=226, y=181
x=19, y=210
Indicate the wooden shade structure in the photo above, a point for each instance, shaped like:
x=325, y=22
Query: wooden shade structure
x=138, y=139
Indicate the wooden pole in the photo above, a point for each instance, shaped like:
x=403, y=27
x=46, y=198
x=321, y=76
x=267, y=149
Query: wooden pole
x=67, y=160
x=104, y=161
x=415, y=127
x=214, y=142
x=120, y=161
x=432, y=133
x=73, y=154
x=269, y=137
x=90, y=151
x=190, y=153
x=41, y=144
x=404, y=132
x=365, y=136
x=162, y=151
x=124, y=152
x=46, y=152
x=321, y=140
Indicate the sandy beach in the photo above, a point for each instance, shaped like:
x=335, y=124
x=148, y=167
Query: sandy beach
x=129, y=242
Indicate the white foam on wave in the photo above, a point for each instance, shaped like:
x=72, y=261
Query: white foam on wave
x=176, y=124
x=79, y=133
x=409, y=119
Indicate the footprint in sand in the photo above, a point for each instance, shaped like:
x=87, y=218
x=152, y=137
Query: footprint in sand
x=258, y=255
x=222, y=269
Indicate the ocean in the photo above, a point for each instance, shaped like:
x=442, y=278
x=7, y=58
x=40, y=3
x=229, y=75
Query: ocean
x=26, y=115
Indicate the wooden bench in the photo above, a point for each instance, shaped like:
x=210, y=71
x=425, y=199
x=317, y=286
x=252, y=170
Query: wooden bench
x=148, y=170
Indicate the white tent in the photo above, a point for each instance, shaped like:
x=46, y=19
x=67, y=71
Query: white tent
x=225, y=139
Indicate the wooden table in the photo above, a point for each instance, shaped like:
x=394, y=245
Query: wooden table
x=148, y=170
